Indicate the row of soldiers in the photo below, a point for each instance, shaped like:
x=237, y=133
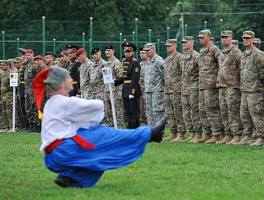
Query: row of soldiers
x=218, y=93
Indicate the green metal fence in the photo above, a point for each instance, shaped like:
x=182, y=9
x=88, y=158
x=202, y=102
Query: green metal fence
x=51, y=35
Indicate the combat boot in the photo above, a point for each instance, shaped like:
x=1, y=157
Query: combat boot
x=192, y=135
x=204, y=139
x=235, y=140
x=34, y=129
x=259, y=142
x=226, y=139
x=213, y=140
x=197, y=137
x=179, y=138
x=30, y=126
x=245, y=141
x=156, y=131
x=172, y=136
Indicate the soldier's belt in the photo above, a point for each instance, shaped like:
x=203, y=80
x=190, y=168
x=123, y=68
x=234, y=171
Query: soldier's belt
x=74, y=82
x=127, y=81
x=22, y=82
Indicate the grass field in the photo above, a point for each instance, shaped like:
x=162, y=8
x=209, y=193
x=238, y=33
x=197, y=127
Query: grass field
x=166, y=171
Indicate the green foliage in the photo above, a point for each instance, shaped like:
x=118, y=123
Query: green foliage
x=165, y=171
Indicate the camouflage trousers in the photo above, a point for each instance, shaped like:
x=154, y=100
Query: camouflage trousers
x=209, y=111
x=229, y=101
x=7, y=110
x=1, y=115
x=143, y=118
x=173, y=109
x=118, y=102
x=31, y=108
x=19, y=115
x=154, y=107
x=252, y=113
x=190, y=109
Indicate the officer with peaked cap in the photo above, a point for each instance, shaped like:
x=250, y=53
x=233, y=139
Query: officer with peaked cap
x=131, y=90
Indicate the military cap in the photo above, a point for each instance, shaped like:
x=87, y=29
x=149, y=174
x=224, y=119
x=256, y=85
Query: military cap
x=248, y=34
x=73, y=47
x=1, y=62
x=109, y=46
x=22, y=51
x=257, y=41
x=204, y=33
x=58, y=59
x=212, y=39
x=129, y=46
x=80, y=51
x=29, y=51
x=235, y=42
x=95, y=50
x=226, y=33
x=149, y=46
x=38, y=57
x=7, y=62
x=49, y=53
x=187, y=39
x=170, y=42
x=64, y=52
x=11, y=60
x=141, y=49
x=17, y=59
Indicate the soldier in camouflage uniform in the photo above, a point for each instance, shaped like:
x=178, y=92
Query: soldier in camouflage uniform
x=172, y=92
x=144, y=58
x=228, y=82
x=115, y=65
x=190, y=90
x=64, y=55
x=2, y=128
x=96, y=86
x=208, y=92
x=29, y=76
x=84, y=75
x=154, y=85
x=49, y=58
x=251, y=86
x=7, y=97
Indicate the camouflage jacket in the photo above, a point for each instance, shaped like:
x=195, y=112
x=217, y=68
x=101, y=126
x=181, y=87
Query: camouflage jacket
x=252, y=71
x=190, y=71
x=96, y=77
x=115, y=65
x=229, y=68
x=208, y=66
x=5, y=85
x=154, y=74
x=30, y=73
x=142, y=75
x=84, y=76
x=172, y=73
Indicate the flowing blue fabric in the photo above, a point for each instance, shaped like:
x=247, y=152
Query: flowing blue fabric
x=115, y=148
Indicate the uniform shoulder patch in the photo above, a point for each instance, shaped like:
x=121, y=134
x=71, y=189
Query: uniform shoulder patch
x=137, y=69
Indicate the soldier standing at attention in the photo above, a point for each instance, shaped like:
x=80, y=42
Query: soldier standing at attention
x=2, y=128
x=172, y=92
x=96, y=86
x=29, y=76
x=131, y=90
x=154, y=85
x=190, y=90
x=115, y=65
x=208, y=92
x=49, y=58
x=252, y=88
x=144, y=58
x=64, y=55
x=84, y=75
x=7, y=100
x=228, y=82
x=74, y=69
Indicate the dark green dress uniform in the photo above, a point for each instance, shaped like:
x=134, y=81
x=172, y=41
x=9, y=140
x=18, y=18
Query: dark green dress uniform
x=130, y=80
x=21, y=91
x=74, y=71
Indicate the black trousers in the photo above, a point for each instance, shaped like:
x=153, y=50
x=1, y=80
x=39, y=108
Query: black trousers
x=132, y=109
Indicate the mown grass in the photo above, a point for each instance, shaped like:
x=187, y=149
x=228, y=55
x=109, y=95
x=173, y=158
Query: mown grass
x=165, y=171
